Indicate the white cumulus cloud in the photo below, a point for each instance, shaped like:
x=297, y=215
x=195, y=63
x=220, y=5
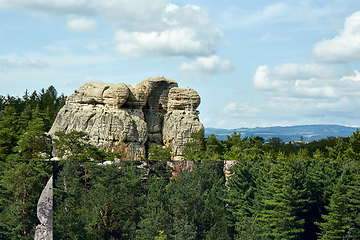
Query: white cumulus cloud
x=343, y=48
x=298, y=81
x=355, y=78
x=180, y=31
x=171, y=42
x=81, y=24
x=208, y=65
x=308, y=90
x=143, y=27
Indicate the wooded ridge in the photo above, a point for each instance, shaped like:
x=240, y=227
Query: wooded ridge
x=274, y=190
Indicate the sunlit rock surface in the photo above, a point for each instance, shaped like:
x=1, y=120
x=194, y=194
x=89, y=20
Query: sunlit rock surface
x=130, y=118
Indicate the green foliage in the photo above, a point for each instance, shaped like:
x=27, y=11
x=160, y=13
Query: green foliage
x=283, y=198
x=75, y=146
x=196, y=204
x=195, y=149
x=276, y=190
x=34, y=143
x=24, y=121
x=159, y=153
x=240, y=198
x=8, y=132
x=156, y=219
x=115, y=191
x=353, y=152
x=69, y=202
x=161, y=236
x=21, y=183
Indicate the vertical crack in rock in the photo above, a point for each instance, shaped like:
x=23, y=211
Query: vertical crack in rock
x=44, y=231
x=153, y=112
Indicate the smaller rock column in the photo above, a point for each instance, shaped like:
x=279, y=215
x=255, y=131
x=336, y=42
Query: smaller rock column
x=44, y=231
x=181, y=120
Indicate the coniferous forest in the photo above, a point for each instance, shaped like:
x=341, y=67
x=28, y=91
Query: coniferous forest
x=274, y=190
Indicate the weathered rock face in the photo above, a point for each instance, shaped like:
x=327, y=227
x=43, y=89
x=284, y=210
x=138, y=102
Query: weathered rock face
x=182, y=114
x=44, y=231
x=130, y=118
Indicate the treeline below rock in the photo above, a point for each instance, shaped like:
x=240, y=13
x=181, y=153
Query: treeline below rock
x=254, y=148
x=261, y=200
x=21, y=183
x=282, y=199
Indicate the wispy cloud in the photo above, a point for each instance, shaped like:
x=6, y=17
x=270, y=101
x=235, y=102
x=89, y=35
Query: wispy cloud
x=284, y=12
x=207, y=65
x=81, y=24
x=268, y=37
x=5, y=64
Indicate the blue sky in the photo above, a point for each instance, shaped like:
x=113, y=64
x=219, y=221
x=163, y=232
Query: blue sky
x=254, y=63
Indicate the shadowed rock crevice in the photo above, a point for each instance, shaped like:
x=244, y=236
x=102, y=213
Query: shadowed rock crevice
x=130, y=118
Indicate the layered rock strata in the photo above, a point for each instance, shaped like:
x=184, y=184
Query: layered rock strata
x=130, y=118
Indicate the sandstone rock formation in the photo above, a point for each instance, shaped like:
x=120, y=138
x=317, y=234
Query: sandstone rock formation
x=130, y=118
x=44, y=231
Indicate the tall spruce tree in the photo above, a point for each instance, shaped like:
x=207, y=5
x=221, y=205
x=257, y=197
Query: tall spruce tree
x=338, y=220
x=69, y=202
x=240, y=198
x=283, y=196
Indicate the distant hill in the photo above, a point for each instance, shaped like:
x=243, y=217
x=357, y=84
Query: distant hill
x=291, y=133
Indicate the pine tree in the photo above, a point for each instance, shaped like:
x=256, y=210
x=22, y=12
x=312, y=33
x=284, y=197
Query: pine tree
x=338, y=152
x=34, y=144
x=353, y=152
x=155, y=212
x=353, y=194
x=8, y=133
x=194, y=197
x=283, y=196
x=216, y=213
x=342, y=218
x=240, y=200
x=75, y=146
x=114, y=200
x=337, y=221
x=25, y=117
x=214, y=148
x=252, y=149
x=69, y=202
x=184, y=229
x=195, y=149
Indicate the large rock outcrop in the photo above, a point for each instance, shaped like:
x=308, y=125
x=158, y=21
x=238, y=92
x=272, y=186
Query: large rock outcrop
x=130, y=118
